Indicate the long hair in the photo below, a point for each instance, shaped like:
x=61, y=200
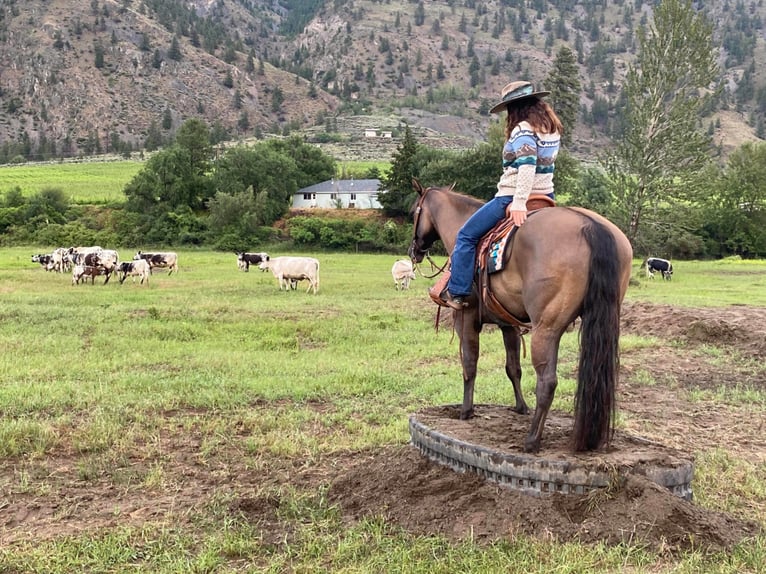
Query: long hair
x=538, y=113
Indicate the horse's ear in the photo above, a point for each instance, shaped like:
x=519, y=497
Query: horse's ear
x=417, y=186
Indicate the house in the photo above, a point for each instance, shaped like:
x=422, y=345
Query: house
x=340, y=193
x=370, y=133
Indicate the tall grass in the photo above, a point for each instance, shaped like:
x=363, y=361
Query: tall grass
x=88, y=182
x=103, y=371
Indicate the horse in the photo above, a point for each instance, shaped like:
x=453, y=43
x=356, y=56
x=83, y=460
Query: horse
x=565, y=263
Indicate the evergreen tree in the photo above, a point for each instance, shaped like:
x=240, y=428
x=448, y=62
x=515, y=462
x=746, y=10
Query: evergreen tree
x=400, y=193
x=564, y=85
x=99, y=50
x=228, y=81
x=153, y=137
x=167, y=119
x=174, y=52
x=662, y=145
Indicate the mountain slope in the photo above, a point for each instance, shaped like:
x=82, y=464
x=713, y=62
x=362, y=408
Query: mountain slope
x=114, y=72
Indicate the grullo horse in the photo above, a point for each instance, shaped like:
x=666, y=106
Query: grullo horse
x=564, y=263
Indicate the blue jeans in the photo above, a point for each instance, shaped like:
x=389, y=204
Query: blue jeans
x=463, y=262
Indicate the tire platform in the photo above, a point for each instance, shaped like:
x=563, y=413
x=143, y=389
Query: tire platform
x=490, y=445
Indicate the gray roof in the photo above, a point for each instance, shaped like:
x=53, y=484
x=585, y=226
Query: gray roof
x=344, y=186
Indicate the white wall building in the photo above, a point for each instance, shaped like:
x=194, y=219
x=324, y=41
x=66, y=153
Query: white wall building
x=340, y=193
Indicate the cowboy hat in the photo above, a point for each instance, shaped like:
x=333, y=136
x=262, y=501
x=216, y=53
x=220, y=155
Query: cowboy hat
x=514, y=92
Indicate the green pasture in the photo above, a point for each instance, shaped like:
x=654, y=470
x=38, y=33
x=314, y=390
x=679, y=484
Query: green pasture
x=93, y=182
x=87, y=182
x=97, y=380
x=730, y=281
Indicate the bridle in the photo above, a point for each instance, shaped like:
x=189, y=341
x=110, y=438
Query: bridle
x=427, y=255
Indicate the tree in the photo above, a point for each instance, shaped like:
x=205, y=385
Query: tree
x=399, y=193
x=167, y=119
x=277, y=99
x=98, y=48
x=737, y=212
x=194, y=136
x=314, y=165
x=271, y=176
x=661, y=144
x=564, y=85
x=174, y=52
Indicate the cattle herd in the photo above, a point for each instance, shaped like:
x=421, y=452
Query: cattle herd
x=86, y=263
x=90, y=262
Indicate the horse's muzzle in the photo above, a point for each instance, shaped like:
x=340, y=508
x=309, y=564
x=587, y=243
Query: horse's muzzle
x=415, y=253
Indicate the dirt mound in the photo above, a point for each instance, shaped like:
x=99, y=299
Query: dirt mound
x=426, y=498
x=738, y=326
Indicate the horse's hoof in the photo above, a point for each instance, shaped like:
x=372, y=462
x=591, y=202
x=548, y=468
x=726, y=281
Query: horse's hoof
x=465, y=415
x=521, y=410
x=532, y=446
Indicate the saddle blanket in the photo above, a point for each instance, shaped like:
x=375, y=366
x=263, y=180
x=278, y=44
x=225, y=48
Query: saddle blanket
x=496, y=251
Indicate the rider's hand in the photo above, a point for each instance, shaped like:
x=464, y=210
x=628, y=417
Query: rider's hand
x=518, y=217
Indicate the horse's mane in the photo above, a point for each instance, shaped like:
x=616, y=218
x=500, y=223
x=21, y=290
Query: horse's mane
x=464, y=197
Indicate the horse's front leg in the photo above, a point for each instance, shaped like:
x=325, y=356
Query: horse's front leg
x=468, y=330
x=545, y=348
x=512, y=340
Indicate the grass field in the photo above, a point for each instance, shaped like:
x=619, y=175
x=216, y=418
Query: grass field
x=99, y=378
x=88, y=182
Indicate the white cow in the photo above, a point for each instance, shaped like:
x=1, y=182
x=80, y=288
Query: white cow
x=402, y=273
x=289, y=270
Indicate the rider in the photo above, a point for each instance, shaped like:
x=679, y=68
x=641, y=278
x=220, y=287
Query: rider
x=533, y=134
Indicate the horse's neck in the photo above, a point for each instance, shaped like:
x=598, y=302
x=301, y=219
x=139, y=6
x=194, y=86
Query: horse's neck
x=450, y=218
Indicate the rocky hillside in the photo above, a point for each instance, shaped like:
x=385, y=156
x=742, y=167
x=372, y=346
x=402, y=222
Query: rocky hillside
x=79, y=77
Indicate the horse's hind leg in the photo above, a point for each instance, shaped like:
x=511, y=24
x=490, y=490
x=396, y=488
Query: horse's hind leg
x=512, y=340
x=468, y=331
x=545, y=348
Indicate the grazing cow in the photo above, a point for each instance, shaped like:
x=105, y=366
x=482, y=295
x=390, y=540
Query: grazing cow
x=82, y=272
x=402, y=273
x=44, y=259
x=245, y=260
x=139, y=268
x=662, y=265
x=161, y=260
x=290, y=270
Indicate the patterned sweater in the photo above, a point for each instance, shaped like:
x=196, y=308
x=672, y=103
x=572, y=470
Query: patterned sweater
x=528, y=164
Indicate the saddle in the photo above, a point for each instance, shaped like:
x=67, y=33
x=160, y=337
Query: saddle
x=490, y=258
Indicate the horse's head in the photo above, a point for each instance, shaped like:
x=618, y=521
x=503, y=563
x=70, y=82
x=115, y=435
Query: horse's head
x=424, y=233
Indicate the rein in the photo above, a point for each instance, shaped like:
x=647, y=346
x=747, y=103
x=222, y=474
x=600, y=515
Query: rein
x=439, y=270
x=415, y=222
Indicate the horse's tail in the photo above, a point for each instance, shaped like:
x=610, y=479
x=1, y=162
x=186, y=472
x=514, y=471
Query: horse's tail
x=599, y=341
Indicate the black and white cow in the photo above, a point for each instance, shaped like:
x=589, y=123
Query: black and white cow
x=662, y=265
x=44, y=259
x=162, y=260
x=246, y=259
x=138, y=268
